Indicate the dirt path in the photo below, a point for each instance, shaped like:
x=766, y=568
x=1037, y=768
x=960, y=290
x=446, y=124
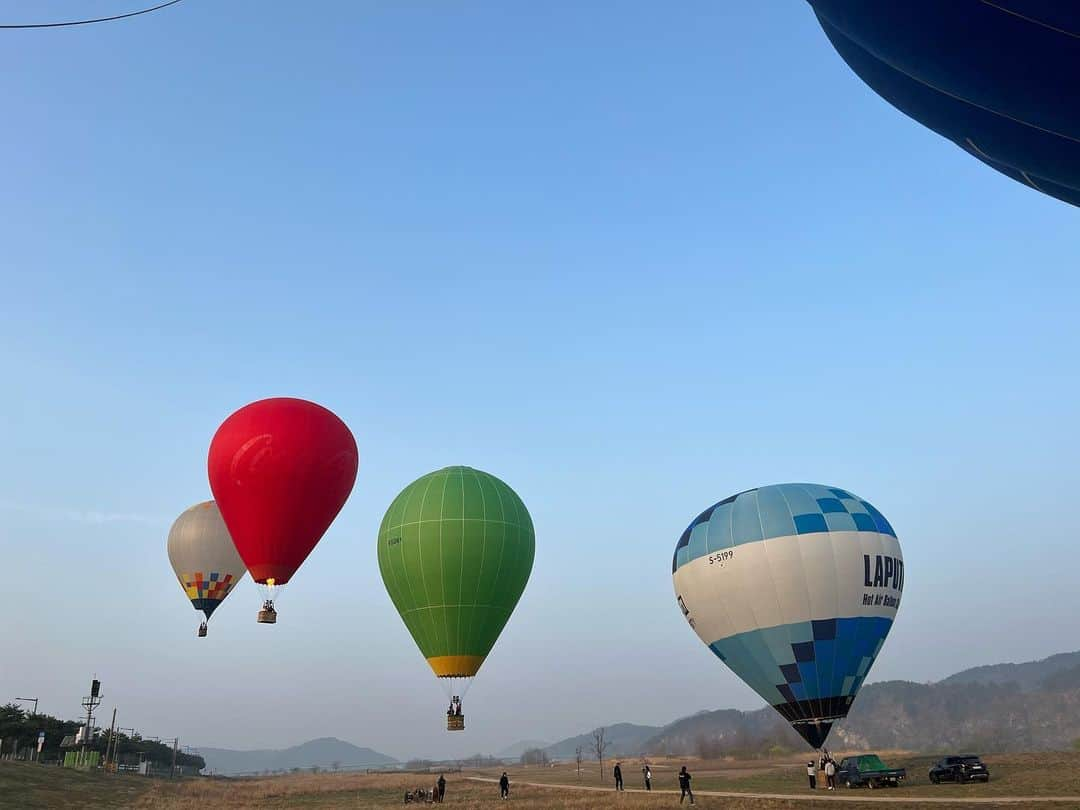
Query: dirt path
x=860, y=797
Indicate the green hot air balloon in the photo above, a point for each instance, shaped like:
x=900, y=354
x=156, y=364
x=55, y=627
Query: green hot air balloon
x=455, y=551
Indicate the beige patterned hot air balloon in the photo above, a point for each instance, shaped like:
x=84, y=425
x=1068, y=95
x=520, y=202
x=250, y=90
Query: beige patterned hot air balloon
x=204, y=558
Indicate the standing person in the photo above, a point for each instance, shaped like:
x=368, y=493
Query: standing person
x=811, y=774
x=830, y=773
x=684, y=785
x=648, y=776
x=442, y=787
x=618, y=776
x=504, y=786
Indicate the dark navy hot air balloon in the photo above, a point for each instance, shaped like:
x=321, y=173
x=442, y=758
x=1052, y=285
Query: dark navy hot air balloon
x=1000, y=78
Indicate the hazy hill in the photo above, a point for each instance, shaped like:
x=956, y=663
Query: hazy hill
x=323, y=752
x=1028, y=676
x=721, y=730
x=975, y=716
x=1007, y=707
x=623, y=739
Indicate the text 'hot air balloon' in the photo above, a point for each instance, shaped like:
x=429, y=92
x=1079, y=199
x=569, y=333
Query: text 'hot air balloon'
x=794, y=587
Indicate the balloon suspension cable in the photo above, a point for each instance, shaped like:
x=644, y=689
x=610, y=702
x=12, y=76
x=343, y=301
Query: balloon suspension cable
x=456, y=686
x=69, y=23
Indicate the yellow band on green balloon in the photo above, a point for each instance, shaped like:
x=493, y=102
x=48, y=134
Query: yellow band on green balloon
x=455, y=666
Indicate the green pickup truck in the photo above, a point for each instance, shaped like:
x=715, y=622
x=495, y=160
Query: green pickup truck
x=867, y=770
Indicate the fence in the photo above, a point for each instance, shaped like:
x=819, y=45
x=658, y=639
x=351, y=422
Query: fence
x=82, y=761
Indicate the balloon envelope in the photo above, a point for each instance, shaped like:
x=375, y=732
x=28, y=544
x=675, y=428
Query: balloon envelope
x=999, y=79
x=280, y=470
x=455, y=551
x=794, y=587
x=203, y=556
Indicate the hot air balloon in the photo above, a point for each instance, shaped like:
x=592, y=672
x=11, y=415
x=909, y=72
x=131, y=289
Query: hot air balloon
x=455, y=551
x=794, y=587
x=204, y=558
x=280, y=470
x=997, y=78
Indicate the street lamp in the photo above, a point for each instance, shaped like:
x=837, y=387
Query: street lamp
x=28, y=700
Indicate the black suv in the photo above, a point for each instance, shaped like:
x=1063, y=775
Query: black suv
x=966, y=768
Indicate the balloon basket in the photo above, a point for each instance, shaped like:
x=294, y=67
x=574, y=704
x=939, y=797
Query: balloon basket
x=267, y=616
x=455, y=722
x=202, y=630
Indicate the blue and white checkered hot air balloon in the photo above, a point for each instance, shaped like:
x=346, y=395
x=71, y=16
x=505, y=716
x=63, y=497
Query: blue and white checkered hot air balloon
x=794, y=587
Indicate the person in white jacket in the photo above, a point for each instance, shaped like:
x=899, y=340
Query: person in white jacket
x=830, y=773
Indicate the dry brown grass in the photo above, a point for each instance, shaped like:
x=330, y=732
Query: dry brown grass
x=385, y=791
x=24, y=786
x=1041, y=774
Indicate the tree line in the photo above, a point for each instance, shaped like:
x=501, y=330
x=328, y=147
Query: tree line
x=19, y=729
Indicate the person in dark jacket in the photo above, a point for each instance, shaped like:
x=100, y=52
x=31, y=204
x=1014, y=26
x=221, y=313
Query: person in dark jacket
x=504, y=786
x=618, y=776
x=684, y=785
x=442, y=787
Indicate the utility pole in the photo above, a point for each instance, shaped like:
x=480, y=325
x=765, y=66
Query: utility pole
x=112, y=738
x=27, y=700
x=91, y=702
x=175, y=744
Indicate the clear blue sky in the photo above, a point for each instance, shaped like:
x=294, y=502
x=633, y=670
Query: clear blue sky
x=630, y=258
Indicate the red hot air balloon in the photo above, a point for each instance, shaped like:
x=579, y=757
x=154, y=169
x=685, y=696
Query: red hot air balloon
x=280, y=470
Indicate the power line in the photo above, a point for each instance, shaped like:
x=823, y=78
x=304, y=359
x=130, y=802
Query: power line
x=97, y=20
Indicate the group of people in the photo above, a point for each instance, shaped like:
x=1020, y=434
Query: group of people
x=646, y=773
x=432, y=795
x=826, y=764
x=436, y=794
x=455, y=707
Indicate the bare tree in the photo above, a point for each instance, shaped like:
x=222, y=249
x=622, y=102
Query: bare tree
x=534, y=756
x=336, y=766
x=599, y=746
x=579, y=754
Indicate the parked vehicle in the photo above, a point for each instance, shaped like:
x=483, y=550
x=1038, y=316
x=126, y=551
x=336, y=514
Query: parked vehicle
x=964, y=768
x=867, y=770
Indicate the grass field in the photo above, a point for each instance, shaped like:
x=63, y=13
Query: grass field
x=30, y=786
x=1044, y=774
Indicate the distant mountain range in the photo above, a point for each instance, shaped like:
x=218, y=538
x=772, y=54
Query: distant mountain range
x=1030, y=706
x=620, y=739
x=324, y=753
x=1005, y=707
x=1029, y=677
